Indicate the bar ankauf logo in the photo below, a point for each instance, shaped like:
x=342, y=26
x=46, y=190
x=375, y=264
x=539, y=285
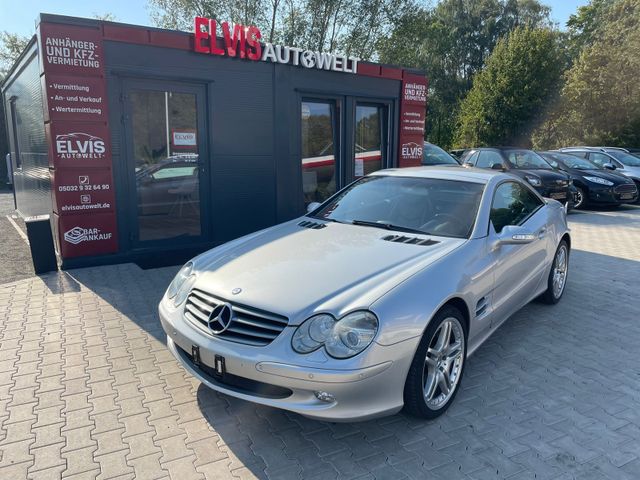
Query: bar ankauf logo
x=78, y=235
x=79, y=145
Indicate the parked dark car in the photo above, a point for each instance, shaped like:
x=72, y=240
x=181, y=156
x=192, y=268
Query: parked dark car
x=594, y=184
x=527, y=165
x=612, y=158
x=434, y=155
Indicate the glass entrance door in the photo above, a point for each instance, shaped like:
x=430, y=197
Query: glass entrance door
x=166, y=142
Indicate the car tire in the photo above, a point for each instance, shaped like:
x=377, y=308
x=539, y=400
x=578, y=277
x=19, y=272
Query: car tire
x=581, y=199
x=559, y=272
x=438, y=365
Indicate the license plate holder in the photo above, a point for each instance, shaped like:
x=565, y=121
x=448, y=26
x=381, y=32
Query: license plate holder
x=219, y=367
x=626, y=196
x=558, y=195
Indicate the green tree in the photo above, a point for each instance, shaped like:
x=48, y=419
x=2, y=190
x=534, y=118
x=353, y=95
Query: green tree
x=11, y=46
x=600, y=101
x=584, y=25
x=353, y=27
x=451, y=42
x=510, y=93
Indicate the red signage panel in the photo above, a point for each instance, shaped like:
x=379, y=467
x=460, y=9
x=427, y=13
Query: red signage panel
x=78, y=144
x=413, y=105
x=75, y=98
x=82, y=191
x=83, y=235
x=71, y=50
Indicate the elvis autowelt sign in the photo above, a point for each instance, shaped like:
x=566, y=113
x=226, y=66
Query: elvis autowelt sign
x=244, y=42
x=77, y=128
x=413, y=103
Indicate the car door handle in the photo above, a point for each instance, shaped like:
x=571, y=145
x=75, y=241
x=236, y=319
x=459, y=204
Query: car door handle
x=542, y=232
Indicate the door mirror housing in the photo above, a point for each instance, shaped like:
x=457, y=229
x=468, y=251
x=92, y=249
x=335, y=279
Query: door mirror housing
x=312, y=206
x=609, y=166
x=514, y=235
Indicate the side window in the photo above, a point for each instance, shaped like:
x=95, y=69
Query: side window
x=599, y=158
x=512, y=204
x=487, y=158
x=578, y=154
x=472, y=158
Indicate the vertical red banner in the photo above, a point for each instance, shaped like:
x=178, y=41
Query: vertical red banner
x=413, y=107
x=76, y=122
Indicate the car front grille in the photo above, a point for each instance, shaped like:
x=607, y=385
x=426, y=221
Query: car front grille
x=248, y=325
x=626, y=188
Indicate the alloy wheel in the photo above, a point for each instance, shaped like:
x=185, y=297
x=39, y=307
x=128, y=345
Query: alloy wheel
x=560, y=271
x=443, y=363
x=579, y=196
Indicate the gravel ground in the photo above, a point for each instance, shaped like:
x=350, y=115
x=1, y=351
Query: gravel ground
x=15, y=256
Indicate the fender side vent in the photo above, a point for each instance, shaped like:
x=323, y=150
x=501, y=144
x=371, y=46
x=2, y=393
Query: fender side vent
x=481, y=307
x=425, y=242
x=313, y=225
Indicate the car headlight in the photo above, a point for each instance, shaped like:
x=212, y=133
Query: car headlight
x=181, y=284
x=184, y=273
x=534, y=181
x=341, y=338
x=599, y=180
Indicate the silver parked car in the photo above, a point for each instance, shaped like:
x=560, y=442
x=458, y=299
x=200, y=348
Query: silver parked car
x=372, y=301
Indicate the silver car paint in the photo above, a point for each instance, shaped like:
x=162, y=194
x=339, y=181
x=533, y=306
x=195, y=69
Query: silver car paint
x=298, y=272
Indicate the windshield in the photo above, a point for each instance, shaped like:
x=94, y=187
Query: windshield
x=434, y=155
x=625, y=158
x=526, y=159
x=422, y=205
x=571, y=161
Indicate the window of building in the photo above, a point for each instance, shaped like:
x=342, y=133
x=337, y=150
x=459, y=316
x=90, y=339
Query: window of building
x=369, y=144
x=319, y=150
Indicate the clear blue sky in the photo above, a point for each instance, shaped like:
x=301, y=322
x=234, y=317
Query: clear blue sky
x=18, y=16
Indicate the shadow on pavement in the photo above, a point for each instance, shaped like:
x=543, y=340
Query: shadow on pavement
x=537, y=397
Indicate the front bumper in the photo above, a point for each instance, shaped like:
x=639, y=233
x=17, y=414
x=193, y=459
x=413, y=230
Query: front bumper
x=362, y=388
x=608, y=195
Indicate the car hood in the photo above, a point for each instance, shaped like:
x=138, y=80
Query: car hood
x=633, y=172
x=296, y=271
x=546, y=176
x=616, y=178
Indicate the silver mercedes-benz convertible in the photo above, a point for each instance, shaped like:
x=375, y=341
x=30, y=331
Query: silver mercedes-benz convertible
x=372, y=301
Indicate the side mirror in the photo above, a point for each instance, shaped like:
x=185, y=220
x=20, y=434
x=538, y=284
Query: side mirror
x=497, y=166
x=609, y=166
x=312, y=206
x=514, y=235
x=467, y=164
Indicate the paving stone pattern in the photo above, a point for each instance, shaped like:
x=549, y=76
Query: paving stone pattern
x=88, y=389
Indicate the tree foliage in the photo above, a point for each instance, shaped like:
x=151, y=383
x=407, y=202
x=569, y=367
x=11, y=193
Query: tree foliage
x=452, y=42
x=350, y=26
x=600, y=101
x=510, y=93
x=11, y=46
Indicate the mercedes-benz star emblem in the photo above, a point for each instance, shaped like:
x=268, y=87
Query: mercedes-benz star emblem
x=220, y=318
x=236, y=291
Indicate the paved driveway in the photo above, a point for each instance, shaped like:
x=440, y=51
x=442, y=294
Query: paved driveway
x=88, y=390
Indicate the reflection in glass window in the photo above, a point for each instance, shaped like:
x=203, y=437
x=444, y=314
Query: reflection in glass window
x=512, y=205
x=165, y=148
x=318, y=151
x=368, y=140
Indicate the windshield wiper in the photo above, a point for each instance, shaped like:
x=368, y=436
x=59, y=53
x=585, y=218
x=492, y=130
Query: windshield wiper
x=388, y=226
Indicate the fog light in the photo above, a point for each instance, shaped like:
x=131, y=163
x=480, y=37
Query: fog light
x=324, y=397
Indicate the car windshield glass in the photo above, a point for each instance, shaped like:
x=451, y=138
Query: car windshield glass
x=571, y=161
x=625, y=158
x=434, y=155
x=423, y=205
x=526, y=159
